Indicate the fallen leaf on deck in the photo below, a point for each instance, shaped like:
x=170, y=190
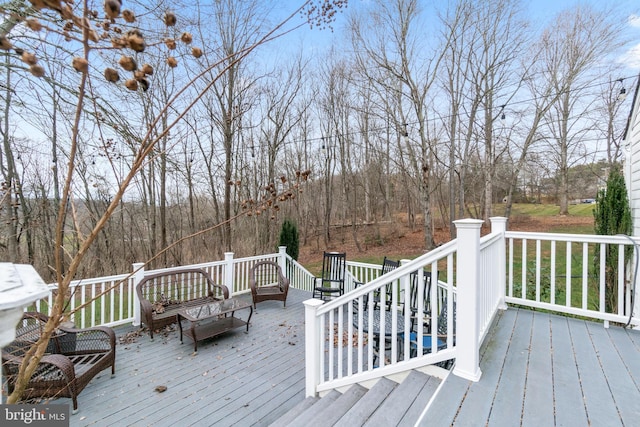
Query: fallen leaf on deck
x=161, y=388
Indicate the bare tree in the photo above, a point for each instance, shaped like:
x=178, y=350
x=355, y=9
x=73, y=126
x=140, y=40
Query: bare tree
x=577, y=41
x=389, y=40
x=610, y=106
x=82, y=32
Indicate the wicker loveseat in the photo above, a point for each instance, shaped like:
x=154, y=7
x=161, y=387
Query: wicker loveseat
x=163, y=294
x=73, y=357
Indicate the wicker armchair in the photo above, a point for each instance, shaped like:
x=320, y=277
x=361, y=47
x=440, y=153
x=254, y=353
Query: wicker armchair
x=268, y=283
x=73, y=357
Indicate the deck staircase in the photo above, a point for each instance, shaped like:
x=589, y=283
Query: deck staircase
x=386, y=403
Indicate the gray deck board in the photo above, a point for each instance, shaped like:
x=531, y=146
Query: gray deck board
x=362, y=410
x=447, y=403
x=569, y=404
x=232, y=377
x=308, y=417
x=509, y=396
x=339, y=407
x=624, y=391
x=479, y=398
x=629, y=351
x=545, y=369
x=415, y=410
x=537, y=369
x=391, y=411
x=539, y=389
x=601, y=409
x=298, y=409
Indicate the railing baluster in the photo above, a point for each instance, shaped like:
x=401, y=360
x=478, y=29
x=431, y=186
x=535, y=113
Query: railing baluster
x=112, y=303
x=585, y=275
x=538, y=266
x=350, y=340
x=524, y=268
x=340, y=338
x=83, y=311
x=361, y=335
x=553, y=272
x=601, y=283
x=121, y=300
x=621, y=281
x=323, y=333
x=568, y=276
x=331, y=344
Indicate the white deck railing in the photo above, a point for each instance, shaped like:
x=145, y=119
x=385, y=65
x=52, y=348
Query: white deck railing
x=564, y=273
x=112, y=300
x=340, y=348
x=570, y=273
x=560, y=273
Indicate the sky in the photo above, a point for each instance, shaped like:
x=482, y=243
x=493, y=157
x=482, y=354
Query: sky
x=544, y=11
x=540, y=12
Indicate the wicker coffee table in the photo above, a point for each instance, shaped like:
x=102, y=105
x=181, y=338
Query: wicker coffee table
x=213, y=318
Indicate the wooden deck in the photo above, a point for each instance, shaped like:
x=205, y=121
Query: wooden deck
x=236, y=378
x=546, y=370
x=537, y=370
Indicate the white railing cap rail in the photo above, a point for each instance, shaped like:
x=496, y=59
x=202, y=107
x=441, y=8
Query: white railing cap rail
x=103, y=279
x=575, y=238
x=489, y=239
x=404, y=270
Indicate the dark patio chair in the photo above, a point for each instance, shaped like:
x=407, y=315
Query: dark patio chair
x=388, y=265
x=73, y=357
x=331, y=281
x=414, y=301
x=268, y=283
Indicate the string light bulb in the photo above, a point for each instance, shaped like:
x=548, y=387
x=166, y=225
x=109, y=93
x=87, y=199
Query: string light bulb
x=623, y=91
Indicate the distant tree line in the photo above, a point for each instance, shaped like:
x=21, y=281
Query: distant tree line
x=410, y=111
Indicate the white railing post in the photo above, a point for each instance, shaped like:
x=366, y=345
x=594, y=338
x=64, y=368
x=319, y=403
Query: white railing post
x=312, y=338
x=229, y=272
x=138, y=275
x=468, y=279
x=282, y=258
x=499, y=225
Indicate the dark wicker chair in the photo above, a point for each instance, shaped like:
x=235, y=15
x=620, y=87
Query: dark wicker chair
x=268, y=283
x=73, y=358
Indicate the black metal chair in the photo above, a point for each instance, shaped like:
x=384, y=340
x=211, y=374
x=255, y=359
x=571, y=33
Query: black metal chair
x=388, y=265
x=331, y=281
x=426, y=300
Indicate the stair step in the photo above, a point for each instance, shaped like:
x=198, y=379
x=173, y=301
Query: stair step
x=316, y=411
x=340, y=406
x=394, y=407
x=415, y=410
x=291, y=414
x=387, y=403
x=367, y=404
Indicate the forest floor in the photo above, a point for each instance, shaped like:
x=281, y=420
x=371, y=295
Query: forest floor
x=397, y=240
